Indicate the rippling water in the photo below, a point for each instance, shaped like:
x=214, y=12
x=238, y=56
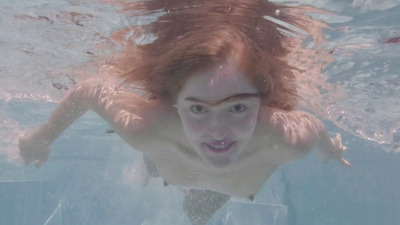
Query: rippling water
x=46, y=46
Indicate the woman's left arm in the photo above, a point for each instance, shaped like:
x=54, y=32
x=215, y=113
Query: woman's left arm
x=302, y=131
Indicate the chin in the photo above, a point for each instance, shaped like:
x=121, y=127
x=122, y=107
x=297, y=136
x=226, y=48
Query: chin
x=219, y=163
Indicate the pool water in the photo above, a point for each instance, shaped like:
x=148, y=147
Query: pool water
x=93, y=177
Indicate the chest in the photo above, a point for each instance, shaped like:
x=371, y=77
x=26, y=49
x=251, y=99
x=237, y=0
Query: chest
x=181, y=168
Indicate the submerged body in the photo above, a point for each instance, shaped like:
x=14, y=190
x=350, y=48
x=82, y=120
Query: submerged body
x=218, y=139
x=219, y=113
x=157, y=130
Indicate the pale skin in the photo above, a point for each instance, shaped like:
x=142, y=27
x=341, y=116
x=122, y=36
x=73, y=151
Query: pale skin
x=218, y=135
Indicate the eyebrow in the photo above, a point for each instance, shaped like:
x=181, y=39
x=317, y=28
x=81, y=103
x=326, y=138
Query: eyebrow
x=227, y=99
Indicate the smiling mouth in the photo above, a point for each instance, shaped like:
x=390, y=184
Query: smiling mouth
x=219, y=147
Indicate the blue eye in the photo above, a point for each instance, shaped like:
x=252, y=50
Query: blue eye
x=197, y=109
x=238, y=108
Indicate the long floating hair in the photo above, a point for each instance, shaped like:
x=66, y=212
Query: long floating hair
x=182, y=36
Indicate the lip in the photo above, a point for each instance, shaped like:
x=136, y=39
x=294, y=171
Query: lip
x=218, y=147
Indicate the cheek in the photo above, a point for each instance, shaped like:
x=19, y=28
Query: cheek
x=246, y=125
x=193, y=127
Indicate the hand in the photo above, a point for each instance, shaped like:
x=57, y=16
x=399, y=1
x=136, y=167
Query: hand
x=339, y=149
x=334, y=151
x=33, y=149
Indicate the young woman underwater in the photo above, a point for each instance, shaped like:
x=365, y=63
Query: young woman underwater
x=218, y=114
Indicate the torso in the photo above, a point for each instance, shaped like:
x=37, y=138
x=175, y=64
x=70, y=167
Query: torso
x=181, y=166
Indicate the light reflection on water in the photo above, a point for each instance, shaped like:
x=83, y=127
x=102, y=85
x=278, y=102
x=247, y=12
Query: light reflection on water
x=46, y=46
x=50, y=45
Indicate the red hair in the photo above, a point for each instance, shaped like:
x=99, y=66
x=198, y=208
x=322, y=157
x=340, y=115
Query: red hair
x=196, y=34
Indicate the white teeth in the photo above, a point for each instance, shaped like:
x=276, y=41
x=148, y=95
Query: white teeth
x=218, y=147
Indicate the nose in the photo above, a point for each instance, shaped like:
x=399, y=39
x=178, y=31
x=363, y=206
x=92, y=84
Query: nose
x=219, y=129
x=219, y=134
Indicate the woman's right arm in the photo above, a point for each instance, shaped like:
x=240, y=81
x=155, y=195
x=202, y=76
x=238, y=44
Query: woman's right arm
x=122, y=109
x=300, y=132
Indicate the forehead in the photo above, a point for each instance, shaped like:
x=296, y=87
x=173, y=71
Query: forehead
x=217, y=82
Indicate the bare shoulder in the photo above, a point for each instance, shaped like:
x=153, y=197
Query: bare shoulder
x=291, y=133
x=155, y=125
x=133, y=116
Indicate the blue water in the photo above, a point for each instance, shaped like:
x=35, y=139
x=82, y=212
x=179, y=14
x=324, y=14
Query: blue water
x=94, y=178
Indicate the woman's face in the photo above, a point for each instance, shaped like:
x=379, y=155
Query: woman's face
x=218, y=108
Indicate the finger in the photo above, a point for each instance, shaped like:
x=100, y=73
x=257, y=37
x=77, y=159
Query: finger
x=345, y=162
x=38, y=163
x=41, y=159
